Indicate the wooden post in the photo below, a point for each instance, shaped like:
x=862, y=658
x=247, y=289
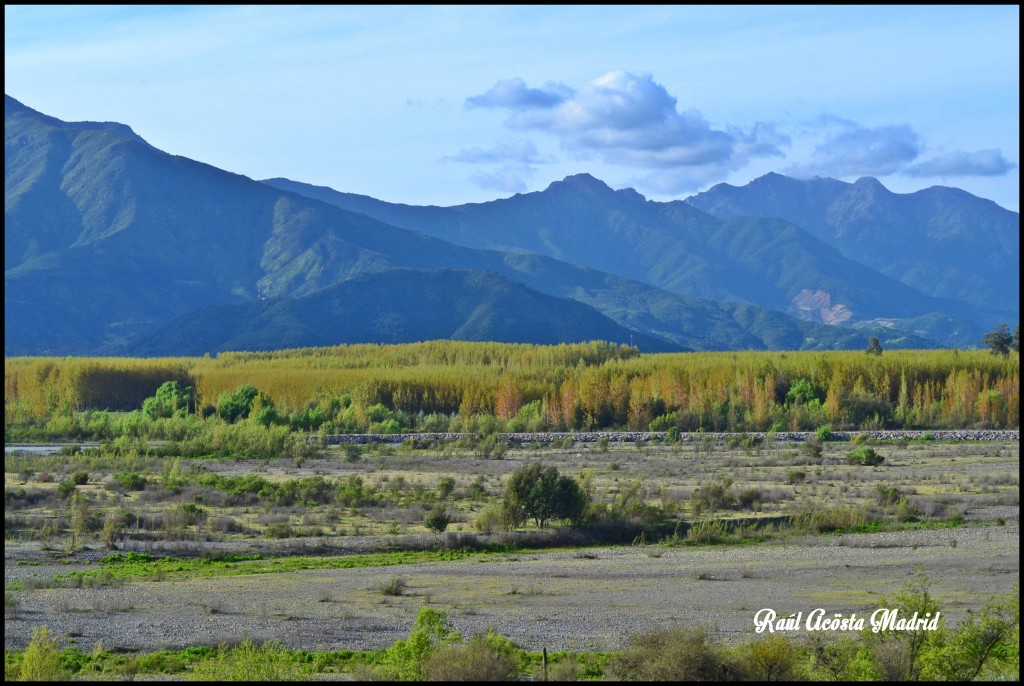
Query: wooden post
x=544, y=661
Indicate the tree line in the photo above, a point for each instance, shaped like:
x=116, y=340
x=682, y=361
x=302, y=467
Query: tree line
x=447, y=386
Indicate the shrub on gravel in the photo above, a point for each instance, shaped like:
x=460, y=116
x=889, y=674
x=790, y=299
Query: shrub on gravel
x=674, y=654
x=485, y=657
x=864, y=456
x=437, y=519
x=394, y=586
x=405, y=659
x=41, y=661
x=250, y=662
x=769, y=658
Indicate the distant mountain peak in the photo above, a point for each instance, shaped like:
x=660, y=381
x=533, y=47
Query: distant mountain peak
x=868, y=182
x=584, y=180
x=13, y=106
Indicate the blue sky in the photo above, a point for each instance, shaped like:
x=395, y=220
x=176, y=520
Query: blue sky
x=444, y=105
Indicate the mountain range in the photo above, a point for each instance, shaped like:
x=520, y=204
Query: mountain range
x=114, y=247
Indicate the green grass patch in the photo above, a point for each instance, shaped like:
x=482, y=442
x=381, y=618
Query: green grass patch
x=117, y=568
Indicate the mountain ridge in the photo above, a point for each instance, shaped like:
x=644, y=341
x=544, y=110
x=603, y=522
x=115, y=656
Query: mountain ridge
x=674, y=246
x=940, y=240
x=108, y=240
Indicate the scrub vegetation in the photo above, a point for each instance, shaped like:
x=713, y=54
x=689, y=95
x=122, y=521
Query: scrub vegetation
x=173, y=471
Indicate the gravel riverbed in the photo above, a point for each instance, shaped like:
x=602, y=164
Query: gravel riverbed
x=592, y=598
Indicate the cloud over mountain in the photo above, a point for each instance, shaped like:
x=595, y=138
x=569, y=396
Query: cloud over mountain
x=851, y=149
x=628, y=119
x=856, y=150
x=981, y=163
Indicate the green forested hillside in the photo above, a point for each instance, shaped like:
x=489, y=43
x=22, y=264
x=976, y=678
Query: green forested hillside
x=108, y=240
x=941, y=241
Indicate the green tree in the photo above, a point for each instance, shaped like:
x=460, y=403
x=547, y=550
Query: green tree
x=445, y=488
x=170, y=400
x=874, y=347
x=41, y=661
x=262, y=411
x=999, y=340
x=437, y=520
x=802, y=391
x=543, y=494
x=985, y=646
x=769, y=658
x=236, y=404
x=897, y=655
x=404, y=660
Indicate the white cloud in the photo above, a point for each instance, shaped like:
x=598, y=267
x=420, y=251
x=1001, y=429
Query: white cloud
x=524, y=152
x=981, y=163
x=856, y=150
x=628, y=119
x=510, y=179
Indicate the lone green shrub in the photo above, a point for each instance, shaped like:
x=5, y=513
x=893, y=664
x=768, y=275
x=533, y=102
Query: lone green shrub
x=437, y=519
x=865, y=456
x=543, y=494
x=131, y=481
x=394, y=586
x=250, y=662
x=405, y=659
x=485, y=657
x=769, y=658
x=41, y=661
x=711, y=496
x=675, y=654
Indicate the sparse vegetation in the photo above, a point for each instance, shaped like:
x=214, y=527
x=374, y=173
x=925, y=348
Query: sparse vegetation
x=182, y=483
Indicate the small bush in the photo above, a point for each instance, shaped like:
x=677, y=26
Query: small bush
x=864, y=456
x=711, y=496
x=131, y=481
x=41, y=661
x=80, y=478
x=249, y=662
x=489, y=657
x=811, y=448
x=707, y=532
x=353, y=452
x=492, y=447
x=749, y=498
x=437, y=519
x=795, y=477
x=11, y=605
x=770, y=658
x=829, y=519
x=66, y=488
x=677, y=654
x=445, y=488
x=492, y=519
x=395, y=586
x=887, y=496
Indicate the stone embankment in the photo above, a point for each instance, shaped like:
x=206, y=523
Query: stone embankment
x=689, y=437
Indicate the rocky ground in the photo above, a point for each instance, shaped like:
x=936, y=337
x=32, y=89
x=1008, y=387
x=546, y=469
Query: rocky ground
x=590, y=599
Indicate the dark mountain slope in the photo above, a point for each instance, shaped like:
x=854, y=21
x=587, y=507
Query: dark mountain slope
x=108, y=239
x=941, y=241
x=767, y=262
x=396, y=306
